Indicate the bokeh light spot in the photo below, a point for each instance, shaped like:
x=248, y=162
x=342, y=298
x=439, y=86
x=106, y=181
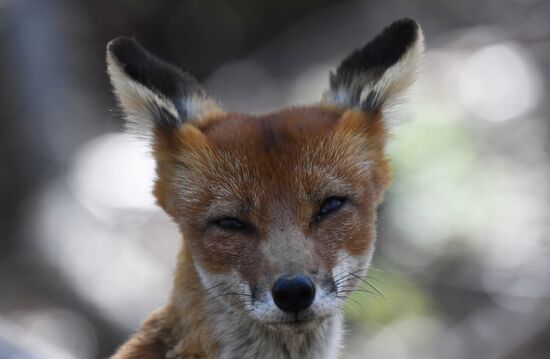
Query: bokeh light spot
x=498, y=83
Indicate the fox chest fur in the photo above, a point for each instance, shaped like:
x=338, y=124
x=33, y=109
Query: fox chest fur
x=277, y=211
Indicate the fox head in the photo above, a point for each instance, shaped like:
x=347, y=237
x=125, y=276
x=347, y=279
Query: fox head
x=277, y=210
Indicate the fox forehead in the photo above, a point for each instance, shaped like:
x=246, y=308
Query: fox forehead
x=270, y=132
x=298, y=156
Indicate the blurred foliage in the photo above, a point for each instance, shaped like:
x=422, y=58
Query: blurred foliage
x=437, y=163
x=384, y=297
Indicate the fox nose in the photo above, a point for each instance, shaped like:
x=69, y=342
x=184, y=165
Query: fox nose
x=293, y=293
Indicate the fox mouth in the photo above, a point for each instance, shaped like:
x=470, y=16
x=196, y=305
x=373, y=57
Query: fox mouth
x=302, y=321
x=298, y=321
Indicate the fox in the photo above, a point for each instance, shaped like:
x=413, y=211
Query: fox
x=277, y=211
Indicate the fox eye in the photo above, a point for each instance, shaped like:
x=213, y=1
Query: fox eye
x=230, y=224
x=329, y=205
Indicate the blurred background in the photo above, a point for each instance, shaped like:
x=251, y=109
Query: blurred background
x=462, y=268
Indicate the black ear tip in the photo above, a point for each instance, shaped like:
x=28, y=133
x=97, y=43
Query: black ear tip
x=123, y=48
x=405, y=29
x=405, y=23
x=384, y=50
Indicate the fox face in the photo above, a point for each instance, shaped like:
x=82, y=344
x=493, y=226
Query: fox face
x=277, y=210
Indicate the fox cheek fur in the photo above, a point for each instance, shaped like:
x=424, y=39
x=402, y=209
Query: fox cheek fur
x=277, y=210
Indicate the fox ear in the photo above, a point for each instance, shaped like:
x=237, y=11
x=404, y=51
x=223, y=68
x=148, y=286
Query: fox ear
x=377, y=75
x=152, y=93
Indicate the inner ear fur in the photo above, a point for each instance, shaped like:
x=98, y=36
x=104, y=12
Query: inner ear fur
x=152, y=93
x=377, y=74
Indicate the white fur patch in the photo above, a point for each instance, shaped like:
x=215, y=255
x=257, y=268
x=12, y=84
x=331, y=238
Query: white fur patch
x=243, y=329
x=245, y=332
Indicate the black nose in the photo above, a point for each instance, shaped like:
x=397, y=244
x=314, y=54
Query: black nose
x=293, y=293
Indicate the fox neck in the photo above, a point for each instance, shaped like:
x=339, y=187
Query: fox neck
x=208, y=329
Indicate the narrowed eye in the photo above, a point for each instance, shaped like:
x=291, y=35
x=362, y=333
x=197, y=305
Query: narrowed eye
x=230, y=224
x=330, y=205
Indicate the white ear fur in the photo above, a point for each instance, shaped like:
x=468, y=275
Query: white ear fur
x=397, y=79
x=141, y=105
x=380, y=83
x=147, y=103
